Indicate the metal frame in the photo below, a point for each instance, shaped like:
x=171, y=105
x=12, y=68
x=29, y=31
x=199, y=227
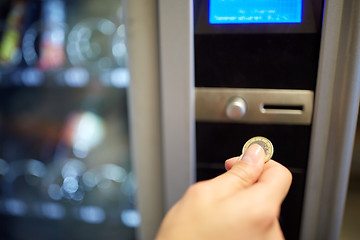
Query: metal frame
x=335, y=117
x=161, y=105
x=177, y=97
x=144, y=108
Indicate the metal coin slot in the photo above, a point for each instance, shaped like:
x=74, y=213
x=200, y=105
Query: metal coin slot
x=284, y=109
x=271, y=106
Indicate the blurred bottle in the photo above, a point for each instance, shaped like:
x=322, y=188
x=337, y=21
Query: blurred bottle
x=10, y=53
x=52, y=53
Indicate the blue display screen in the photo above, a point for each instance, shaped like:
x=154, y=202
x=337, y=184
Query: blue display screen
x=255, y=11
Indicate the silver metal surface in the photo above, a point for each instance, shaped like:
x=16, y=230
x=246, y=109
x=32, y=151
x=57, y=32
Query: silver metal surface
x=177, y=95
x=276, y=106
x=144, y=108
x=335, y=115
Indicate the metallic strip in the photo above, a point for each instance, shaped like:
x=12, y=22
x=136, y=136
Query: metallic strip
x=144, y=108
x=289, y=106
x=177, y=95
x=336, y=110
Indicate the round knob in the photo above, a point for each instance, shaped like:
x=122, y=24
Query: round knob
x=236, y=108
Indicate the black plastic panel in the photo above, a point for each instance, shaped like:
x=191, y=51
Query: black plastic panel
x=216, y=142
x=274, y=61
x=290, y=218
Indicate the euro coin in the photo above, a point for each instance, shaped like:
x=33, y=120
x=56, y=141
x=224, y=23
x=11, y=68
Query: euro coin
x=264, y=143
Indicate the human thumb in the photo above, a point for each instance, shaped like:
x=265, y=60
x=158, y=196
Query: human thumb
x=246, y=170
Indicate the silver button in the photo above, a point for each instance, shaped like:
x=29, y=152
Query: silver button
x=236, y=108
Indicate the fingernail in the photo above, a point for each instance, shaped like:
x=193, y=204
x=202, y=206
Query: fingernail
x=254, y=154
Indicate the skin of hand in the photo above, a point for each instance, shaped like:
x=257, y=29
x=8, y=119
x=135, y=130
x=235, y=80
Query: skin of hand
x=243, y=203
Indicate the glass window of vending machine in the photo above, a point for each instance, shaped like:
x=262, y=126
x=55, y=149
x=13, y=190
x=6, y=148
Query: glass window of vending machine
x=66, y=168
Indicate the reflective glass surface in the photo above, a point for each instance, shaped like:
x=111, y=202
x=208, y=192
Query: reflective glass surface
x=65, y=165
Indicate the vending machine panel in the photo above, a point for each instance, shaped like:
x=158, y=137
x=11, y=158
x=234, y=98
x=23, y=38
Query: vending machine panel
x=256, y=66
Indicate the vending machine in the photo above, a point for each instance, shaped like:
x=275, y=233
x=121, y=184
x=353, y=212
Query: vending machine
x=110, y=110
x=285, y=70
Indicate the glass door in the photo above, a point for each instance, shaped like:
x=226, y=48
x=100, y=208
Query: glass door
x=65, y=162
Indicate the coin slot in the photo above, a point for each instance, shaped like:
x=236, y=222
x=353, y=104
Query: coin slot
x=282, y=109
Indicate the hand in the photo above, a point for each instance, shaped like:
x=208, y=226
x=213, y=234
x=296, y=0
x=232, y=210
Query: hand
x=243, y=203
